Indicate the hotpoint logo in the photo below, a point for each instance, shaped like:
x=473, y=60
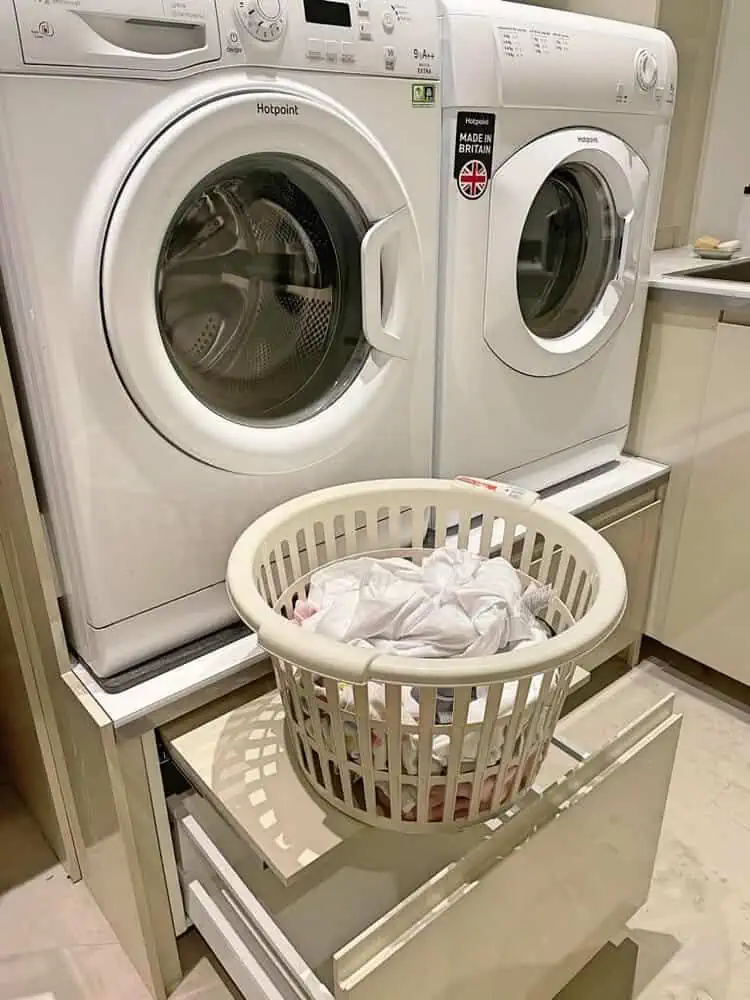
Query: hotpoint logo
x=262, y=108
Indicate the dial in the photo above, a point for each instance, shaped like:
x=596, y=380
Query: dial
x=646, y=70
x=263, y=19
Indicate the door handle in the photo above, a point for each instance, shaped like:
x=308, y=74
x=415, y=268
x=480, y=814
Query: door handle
x=627, y=235
x=394, y=337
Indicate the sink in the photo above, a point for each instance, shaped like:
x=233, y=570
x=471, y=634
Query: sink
x=725, y=271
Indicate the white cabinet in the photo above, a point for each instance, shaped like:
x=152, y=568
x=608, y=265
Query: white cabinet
x=301, y=903
x=710, y=585
x=693, y=411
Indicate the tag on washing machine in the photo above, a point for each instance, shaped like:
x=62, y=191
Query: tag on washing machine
x=472, y=159
x=423, y=95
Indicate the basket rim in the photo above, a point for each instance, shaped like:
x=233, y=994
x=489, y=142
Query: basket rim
x=311, y=651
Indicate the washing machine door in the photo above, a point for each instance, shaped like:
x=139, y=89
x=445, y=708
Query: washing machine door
x=566, y=227
x=261, y=280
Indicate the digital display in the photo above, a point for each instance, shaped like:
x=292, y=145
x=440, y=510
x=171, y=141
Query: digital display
x=335, y=12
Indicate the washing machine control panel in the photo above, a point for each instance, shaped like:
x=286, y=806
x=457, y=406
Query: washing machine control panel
x=532, y=57
x=380, y=37
x=161, y=38
x=646, y=70
x=263, y=20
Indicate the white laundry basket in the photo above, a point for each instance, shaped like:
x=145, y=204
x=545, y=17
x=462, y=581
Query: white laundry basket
x=343, y=705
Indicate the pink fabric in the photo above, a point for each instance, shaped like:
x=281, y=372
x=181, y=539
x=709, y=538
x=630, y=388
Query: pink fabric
x=463, y=796
x=303, y=610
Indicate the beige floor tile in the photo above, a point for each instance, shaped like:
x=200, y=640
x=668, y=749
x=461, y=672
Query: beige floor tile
x=105, y=973
x=40, y=909
x=38, y=974
x=24, y=852
x=48, y=911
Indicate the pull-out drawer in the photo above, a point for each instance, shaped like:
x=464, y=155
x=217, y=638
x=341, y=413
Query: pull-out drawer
x=301, y=903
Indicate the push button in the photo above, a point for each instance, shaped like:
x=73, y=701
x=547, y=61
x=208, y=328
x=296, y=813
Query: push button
x=347, y=52
x=314, y=48
x=389, y=21
x=332, y=51
x=389, y=55
x=365, y=33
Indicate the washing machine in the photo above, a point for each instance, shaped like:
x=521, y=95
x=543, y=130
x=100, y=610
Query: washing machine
x=218, y=238
x=555, y=133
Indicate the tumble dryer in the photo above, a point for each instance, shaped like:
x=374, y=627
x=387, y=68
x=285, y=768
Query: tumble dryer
x=219, y=251
x=555, y=132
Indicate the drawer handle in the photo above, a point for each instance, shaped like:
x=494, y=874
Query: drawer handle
x=240, y=962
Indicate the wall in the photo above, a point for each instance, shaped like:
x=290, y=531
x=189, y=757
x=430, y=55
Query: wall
x=695, y=27
x=726, y=158
x=635, y=11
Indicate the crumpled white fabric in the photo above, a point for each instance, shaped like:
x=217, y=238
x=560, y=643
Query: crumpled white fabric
x=455, y=604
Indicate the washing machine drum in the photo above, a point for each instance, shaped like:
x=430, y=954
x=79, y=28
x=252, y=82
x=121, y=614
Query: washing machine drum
x=258, y=291
x=568, y=251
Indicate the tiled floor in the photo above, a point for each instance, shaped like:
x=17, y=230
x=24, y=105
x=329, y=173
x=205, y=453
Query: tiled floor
x=691, y=941
x=54, y=942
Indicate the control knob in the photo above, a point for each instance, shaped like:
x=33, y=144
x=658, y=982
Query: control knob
x=646, y=70
x=265, y=20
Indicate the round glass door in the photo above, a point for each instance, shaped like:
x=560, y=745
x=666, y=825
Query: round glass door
x=565, y=239
x=258, y=290
x=257, y=277
x=569, y=250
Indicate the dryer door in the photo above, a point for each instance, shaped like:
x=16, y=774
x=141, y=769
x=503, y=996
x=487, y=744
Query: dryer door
x=566, y=226
x=261, y=278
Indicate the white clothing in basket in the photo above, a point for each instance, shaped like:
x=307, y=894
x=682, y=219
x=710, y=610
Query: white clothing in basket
x=454, y=604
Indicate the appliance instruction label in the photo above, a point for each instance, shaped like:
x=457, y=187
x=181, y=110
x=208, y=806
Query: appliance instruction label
x=472, y=159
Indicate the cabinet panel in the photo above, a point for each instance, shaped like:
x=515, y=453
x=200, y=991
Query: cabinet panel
x=710, y=586
x=634, y=538
x=673, y=376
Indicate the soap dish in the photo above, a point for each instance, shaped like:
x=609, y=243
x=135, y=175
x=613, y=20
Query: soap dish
x=715, y=254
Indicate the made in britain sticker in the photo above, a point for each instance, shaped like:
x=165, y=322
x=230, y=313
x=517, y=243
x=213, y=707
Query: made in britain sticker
x=472, y=160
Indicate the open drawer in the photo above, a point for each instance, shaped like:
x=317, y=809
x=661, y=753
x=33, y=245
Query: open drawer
x=299, y=902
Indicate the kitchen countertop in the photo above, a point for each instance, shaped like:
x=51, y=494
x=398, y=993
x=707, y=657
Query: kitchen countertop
x=664, y=264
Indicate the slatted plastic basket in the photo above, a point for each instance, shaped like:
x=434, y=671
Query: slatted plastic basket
x=351, y=749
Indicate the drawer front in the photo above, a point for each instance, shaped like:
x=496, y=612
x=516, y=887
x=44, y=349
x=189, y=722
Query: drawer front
x=231, y=948
x=530, y=907
x=634, y=538
x=557, y=880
